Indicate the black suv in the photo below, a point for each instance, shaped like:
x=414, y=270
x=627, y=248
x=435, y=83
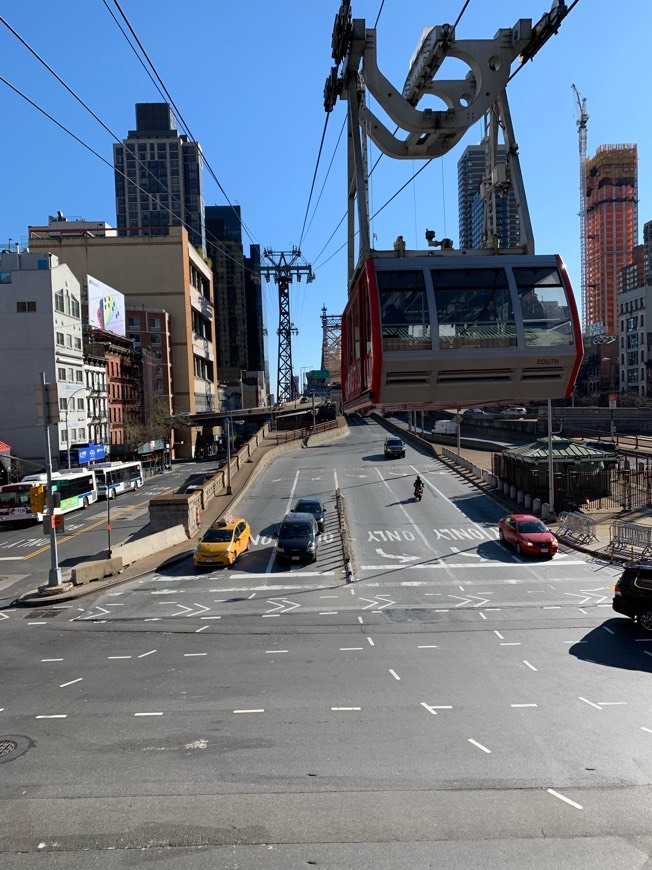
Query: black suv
x=394, y=447
x=297, y=538
x=633, y=594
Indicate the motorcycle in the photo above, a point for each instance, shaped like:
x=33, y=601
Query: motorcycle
x=418, y=491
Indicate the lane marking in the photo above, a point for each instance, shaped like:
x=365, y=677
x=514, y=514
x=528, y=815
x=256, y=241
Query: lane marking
x=529, y=665
x=482, y=615
x=427, y=646
x=51, y=660
x=523, y=705
x=480, y=746
x=270, y=652
x=360, y=620
x=611, y=703
x=510, y=643
x=590, y=703
x=563, y=798
x=328, y=612
x=498, y=634
x=610, y=630
x=260, y=710
x=78, y=680
x=142, y=655
x=194, y=655
x=148, y=714
x=370, y=642
x=649, y=730
x=118, y=657
x=346, y=708
x=203, y=628
x=37, y=623
x=350, y=648
x=54, y=716
x=394, y=674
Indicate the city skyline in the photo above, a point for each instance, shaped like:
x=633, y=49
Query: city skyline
x=263, y=146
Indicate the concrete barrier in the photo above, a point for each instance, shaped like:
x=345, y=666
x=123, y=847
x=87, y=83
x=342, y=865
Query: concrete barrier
x=87, y=572
x=150, y=544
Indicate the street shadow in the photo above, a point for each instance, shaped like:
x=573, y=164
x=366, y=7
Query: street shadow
x=375, y=457
x=613, y=645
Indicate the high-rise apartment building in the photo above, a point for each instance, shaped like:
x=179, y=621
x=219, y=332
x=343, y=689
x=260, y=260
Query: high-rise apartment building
x=611, y=231
x=158, y=177
x=224, y=246
x=471, y=169
x=238, y=297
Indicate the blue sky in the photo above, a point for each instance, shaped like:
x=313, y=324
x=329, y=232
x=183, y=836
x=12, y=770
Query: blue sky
x=249, y=78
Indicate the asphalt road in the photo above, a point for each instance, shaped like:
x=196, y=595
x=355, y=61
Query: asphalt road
x=453, y=706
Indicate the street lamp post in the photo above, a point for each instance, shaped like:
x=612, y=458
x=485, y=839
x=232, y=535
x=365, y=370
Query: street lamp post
x=229, y=424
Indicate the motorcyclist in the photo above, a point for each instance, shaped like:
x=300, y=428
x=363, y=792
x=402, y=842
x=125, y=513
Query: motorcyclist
x=418, y=486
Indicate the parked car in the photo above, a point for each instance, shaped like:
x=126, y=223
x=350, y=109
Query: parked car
x=515, y=411
x=528, y=535
x=474, y=412
x=297, y=538
x=312, y=506
x=394, y=447
x=633, y=594
x=222, y=544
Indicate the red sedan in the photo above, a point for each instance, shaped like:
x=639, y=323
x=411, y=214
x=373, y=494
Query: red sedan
x=528, y=535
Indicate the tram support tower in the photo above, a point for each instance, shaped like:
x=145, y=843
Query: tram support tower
x=331, y=347
x=282, y=268
x=426, y=134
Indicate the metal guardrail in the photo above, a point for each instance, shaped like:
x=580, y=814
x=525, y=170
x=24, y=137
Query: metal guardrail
x=577, y=526
x=630, y=536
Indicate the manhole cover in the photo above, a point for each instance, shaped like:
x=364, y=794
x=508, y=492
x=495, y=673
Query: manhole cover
x=44, y=613
x=7, y=746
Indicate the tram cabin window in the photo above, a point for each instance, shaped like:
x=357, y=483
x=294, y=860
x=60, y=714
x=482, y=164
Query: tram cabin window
x=474, y=309
x=404, y=310
x=546, y=316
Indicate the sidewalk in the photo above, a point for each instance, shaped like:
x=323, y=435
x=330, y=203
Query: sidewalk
x=221, y=505
x=600, y=548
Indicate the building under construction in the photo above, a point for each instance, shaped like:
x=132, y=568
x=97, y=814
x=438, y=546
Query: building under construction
x=611, y=230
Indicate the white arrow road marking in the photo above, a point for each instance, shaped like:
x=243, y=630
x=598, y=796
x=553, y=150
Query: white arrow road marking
x=376, y=603
x=94, y=615
x=467, y=600
x=4, y=615
x=459, y=553
x=202, y=609
x=187, y=609
x=281, y=605
x=401, y=559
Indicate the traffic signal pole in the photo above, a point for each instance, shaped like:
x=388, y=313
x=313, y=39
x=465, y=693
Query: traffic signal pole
x=54, y=574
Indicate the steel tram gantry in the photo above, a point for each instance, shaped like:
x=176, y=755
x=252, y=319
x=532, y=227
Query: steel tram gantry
x=282, y=268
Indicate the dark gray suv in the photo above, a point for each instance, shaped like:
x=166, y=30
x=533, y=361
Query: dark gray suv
x=394, y=447
x=297, y=538
x=633, y=594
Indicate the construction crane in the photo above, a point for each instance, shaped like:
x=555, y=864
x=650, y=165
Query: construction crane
x=582, y=120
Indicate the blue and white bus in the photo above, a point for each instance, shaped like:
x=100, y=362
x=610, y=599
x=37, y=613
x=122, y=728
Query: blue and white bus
x=116, y=477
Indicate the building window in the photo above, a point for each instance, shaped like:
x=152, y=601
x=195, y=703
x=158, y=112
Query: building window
x=25, y=307
x=81, y=434
x=78, y=343
x=69, y=340
x=58, y=301
x=155, y=324
x=135, y=337
x=60, y=339
x=64, y=436
x=80, y=404
x=61, y=374
x=80, y=376
x=63, y=404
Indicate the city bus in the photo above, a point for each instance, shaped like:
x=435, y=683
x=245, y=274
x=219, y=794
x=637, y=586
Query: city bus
x=116, y=477
x=75, y=488
x=15, y=505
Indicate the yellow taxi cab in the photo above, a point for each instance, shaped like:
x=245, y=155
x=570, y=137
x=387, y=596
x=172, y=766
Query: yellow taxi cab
x=222, y=543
